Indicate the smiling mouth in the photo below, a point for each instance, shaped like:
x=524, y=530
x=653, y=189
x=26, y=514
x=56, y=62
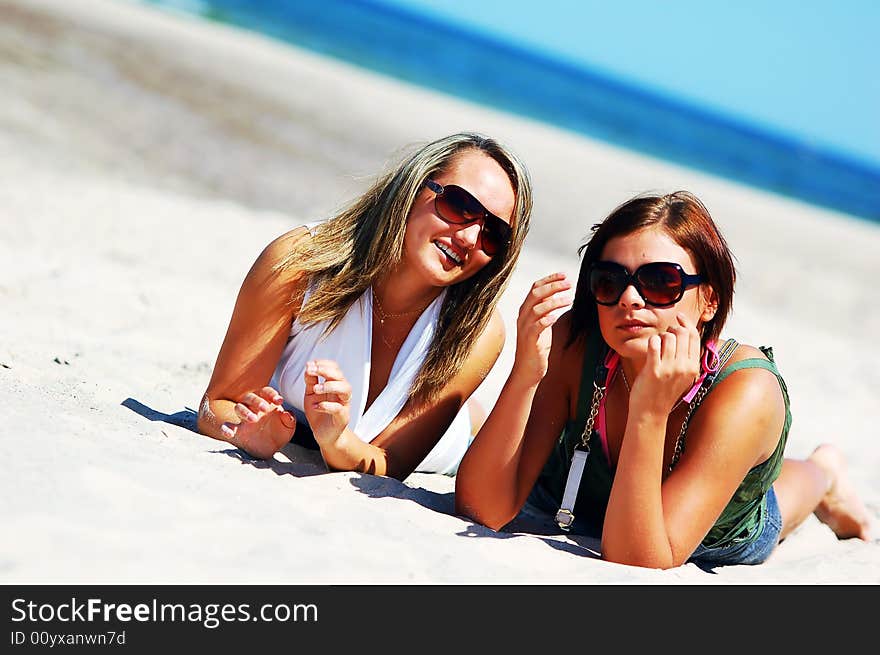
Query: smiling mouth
x=450, y=253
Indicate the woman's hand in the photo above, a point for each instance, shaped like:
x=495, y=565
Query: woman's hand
x=671, y=368
x=326, y=404
x=265, y=426
x=533, y=333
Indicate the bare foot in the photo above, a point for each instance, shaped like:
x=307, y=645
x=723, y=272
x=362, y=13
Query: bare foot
x=840, y=509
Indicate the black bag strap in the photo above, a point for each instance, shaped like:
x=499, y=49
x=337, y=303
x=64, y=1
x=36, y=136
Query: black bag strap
x=594, y=360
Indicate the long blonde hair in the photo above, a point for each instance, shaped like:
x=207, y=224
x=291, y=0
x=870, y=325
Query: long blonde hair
x=362, y=242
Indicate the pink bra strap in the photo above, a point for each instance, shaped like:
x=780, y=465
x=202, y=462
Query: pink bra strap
x=709, y=364
x=612, y=359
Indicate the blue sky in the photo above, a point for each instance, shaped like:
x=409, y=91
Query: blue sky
x=804, y=69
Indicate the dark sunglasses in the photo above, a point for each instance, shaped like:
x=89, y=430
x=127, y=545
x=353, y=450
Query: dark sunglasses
x=660, y=284
x=458, y=207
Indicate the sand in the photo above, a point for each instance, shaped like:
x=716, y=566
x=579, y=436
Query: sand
x=146, y=158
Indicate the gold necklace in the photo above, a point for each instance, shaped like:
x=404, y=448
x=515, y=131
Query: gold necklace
x=625, y=381
x=382, y=315
x=377, y=305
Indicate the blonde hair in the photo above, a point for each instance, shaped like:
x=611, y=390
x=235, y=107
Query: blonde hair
x=362, y=242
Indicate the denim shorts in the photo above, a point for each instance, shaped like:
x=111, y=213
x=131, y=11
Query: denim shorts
x=747, y=551
x=538, y=516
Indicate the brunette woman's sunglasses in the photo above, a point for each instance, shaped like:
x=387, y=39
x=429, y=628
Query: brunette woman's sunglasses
x=660, y=284
x=458, y=207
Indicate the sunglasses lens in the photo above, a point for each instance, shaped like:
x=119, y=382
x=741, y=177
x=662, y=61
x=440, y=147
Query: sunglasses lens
x=457, y=206
x=660, y=283
x=607, y=283
x=495, y=235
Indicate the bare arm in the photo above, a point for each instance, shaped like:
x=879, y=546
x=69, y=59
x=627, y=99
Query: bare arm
x=237, y=406
x=658, y=523
x=507, y=455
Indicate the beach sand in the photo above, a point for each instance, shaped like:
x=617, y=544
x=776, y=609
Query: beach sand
x=145, y=160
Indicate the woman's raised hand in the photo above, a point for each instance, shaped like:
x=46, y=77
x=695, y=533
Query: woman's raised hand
x=671, y=368
x=326, y=404
x=533, y=333
x=265, y=426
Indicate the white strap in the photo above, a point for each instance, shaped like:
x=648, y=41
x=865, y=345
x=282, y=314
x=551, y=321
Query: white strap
x=565, y=515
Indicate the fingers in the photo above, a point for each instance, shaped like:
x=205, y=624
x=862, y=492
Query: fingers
x=668, y=345
x=330, y=407
x=546, y=287
x=677, y=349
x=672, y=362
x=550, y=305
x=342, y=390
x=688, y=344
x=333, y=394
x=252, y=406
x=287, y=419
x=545, y=297
x=270, y=394
x=679, y=341
x=325, y=368
x=655, y=346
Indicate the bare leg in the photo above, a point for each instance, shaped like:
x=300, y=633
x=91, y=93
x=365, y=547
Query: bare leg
x=841, y=508
x=800, y=487
x=819, y=485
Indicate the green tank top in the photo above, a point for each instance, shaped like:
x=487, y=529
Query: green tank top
x=740, y=521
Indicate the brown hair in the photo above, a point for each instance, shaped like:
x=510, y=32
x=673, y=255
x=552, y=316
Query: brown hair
x=687, y=221
x=365, y=240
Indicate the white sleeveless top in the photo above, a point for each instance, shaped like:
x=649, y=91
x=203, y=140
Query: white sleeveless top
x=350, y=345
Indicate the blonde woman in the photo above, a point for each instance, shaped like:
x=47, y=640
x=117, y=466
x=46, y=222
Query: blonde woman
x=365, y=335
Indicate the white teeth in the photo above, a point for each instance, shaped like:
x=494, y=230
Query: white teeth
x=449, y=252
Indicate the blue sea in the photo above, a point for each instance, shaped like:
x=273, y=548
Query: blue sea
x=780, y=95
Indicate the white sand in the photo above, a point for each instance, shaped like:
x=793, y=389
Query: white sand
x=145, y=159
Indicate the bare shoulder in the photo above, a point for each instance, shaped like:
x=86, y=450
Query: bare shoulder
x=489, y=344
x=745, y=351
x=265, y=307
x=274, y=285
x=274, y=269
x=495, y=332
x=750, y=382
x=279, y=249
x=751, y=393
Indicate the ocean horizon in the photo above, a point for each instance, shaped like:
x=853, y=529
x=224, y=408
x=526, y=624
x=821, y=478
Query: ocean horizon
x=412, y=42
